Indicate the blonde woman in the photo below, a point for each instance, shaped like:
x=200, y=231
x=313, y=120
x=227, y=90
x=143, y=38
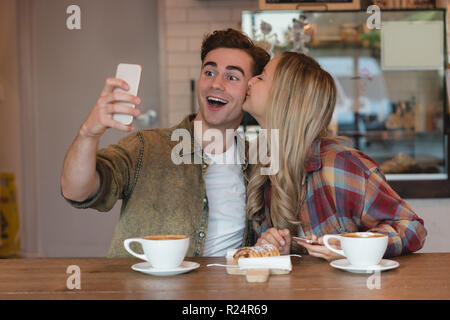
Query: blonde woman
x=322, y=186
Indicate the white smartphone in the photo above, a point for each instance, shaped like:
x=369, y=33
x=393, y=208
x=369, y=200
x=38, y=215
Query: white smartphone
x=131, y=73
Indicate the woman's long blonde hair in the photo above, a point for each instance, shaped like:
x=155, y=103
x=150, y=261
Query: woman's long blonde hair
x=301, y=105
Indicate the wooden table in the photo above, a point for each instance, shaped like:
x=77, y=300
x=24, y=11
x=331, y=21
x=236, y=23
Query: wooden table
x=420, y=276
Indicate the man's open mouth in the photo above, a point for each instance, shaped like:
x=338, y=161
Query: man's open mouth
x=215, y=102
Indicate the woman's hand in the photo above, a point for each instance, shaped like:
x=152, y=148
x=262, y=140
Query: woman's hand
x=279, y=238
x=320, y=251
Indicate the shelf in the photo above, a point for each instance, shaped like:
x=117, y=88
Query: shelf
x=385, y=135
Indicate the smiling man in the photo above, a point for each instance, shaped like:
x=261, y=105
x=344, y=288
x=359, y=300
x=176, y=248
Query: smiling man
x=219, y=89
x=204, y=200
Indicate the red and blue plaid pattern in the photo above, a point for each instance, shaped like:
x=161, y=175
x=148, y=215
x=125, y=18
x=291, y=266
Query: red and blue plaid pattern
x=347, y=192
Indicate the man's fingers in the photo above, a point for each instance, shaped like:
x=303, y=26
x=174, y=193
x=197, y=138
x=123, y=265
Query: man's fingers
x=119, y=126
x=113, y=83
x=118, y=108
x=119, y=97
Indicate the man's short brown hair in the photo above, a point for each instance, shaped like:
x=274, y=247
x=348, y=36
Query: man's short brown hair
x=235, y=39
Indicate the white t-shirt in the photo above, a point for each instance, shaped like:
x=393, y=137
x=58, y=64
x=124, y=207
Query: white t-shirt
x=225, y=190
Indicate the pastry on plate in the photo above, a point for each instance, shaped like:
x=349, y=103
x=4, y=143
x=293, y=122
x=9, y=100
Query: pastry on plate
x=265, y=250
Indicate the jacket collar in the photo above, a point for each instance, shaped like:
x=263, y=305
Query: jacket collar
x=196, y=148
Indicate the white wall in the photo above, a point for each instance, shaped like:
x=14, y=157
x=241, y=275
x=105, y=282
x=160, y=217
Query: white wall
x=10, y=133
x=65, y=74
x=10, y=147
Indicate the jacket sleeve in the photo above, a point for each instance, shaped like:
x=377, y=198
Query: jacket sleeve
x=385, y=212
x=118, y=168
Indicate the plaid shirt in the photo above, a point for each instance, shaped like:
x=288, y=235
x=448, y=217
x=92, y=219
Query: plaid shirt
x=347, y=192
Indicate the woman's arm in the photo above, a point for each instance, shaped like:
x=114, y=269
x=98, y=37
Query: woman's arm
x=384, y=211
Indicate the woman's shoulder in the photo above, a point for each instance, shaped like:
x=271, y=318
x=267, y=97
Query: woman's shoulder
x=335, y=153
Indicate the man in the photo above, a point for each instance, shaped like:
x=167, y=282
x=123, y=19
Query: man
x=205, y=202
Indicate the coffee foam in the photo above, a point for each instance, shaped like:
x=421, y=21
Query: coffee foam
x=165, y=237
x=362, y=235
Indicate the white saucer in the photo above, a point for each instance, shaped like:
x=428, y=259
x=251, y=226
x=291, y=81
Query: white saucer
x=146, y=267
x=384, y=265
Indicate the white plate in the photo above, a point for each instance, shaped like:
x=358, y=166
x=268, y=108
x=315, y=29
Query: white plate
x=146, y=267
x=384, y=265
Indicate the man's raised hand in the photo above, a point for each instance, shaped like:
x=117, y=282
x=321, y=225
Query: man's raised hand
x=101, y=116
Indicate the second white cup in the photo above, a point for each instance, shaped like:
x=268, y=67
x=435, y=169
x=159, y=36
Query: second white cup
x=362, y=249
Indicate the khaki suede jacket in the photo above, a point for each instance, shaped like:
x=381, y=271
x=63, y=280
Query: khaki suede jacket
x=158, y=196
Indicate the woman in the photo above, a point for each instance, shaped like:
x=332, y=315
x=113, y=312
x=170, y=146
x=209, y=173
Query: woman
x=322, y=186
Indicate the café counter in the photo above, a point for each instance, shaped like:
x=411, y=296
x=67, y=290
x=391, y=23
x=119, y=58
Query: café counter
x=419, y=276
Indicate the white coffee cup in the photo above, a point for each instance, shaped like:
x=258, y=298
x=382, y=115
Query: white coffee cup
x=362, y=249
x=162, y=251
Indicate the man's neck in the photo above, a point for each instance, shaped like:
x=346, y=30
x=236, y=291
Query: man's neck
x=208, y=139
